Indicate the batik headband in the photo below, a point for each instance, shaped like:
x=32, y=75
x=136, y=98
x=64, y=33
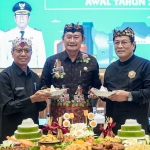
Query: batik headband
x=21, y=42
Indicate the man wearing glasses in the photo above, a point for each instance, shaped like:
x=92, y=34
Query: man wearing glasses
x=130, y=78
x=19, y=95
x=22, y=16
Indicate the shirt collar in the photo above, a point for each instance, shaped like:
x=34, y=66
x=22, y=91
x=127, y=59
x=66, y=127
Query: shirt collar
x=19, y=70
x=21, y=30
x=65, y=55
x=127, y=61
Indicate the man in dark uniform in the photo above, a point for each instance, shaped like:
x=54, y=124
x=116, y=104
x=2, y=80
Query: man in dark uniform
x=22, y=30
x=130, y=78
x=19, y=98
x=73, y=69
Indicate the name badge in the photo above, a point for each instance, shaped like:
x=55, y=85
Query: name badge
x=19, y=88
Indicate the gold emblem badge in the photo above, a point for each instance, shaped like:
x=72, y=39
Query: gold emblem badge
x=131, y=74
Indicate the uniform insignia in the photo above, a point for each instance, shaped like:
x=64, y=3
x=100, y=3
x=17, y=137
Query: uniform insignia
x=22, y=6
x=37, y=29
x=7, y=30
x=131, y=74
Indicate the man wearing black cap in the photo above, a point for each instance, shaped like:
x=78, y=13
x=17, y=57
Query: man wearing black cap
x=22, y=16
x=130, y=78
x=74, y=70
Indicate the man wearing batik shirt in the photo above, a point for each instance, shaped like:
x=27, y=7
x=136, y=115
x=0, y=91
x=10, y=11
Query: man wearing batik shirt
x=19, y=95
x=76, y=70
x=130, y=78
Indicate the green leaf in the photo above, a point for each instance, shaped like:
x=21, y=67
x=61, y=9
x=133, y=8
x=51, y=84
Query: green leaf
x=72, y=101
x=76, y=104
x=66, y=104
x=69, y=102
x=61, y=76
x=82, y=105
x=63, y=73
x=34, y=148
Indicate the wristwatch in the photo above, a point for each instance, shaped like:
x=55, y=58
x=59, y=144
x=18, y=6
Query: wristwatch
x=130, y=98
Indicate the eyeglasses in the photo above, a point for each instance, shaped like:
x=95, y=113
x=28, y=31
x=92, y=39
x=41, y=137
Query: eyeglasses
x=20, y=51
x=123, y=43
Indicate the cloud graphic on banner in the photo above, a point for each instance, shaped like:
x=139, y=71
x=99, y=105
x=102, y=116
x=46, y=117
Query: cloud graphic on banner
x=55, y=21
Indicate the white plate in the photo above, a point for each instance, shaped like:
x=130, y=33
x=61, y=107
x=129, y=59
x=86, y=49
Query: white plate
x=56, y=93
x=102, y=93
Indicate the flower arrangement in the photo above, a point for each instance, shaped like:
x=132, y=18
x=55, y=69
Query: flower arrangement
x=107, y=128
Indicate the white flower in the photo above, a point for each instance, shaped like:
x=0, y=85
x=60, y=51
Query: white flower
x=78, y=133
x=78, y=126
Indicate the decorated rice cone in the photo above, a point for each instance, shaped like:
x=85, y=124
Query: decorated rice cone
x=59, y=130
x=50, y=123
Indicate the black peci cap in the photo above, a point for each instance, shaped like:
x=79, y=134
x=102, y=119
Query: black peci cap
x=73, y=28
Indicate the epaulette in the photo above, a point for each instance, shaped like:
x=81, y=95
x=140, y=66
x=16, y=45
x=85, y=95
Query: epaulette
x=37, y=29
x=7, y=30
